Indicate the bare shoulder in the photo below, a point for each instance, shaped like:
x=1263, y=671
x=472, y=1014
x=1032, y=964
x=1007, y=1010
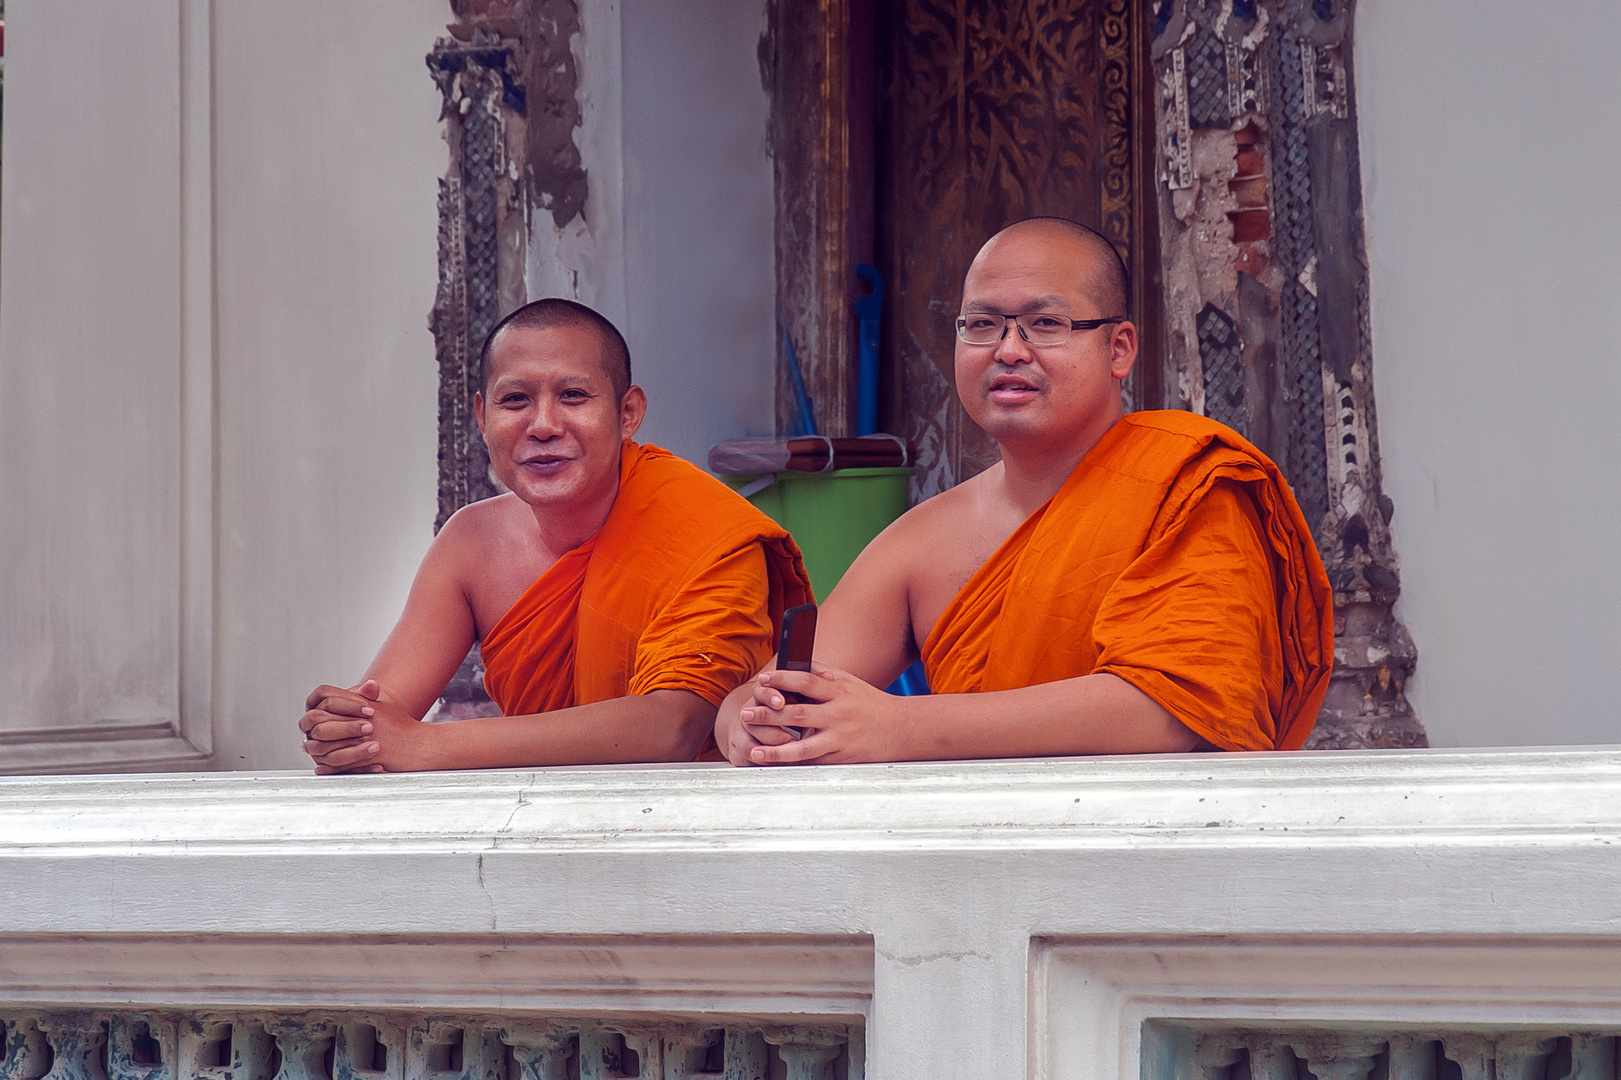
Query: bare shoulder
x=486, y=551
x=481, y=535
x=924, y=538
x=937, y=523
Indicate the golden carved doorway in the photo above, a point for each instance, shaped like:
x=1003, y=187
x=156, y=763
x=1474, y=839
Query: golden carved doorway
x=989, y=112
x=905, y=133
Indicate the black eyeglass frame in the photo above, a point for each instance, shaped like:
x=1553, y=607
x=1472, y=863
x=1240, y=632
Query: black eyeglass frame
x=1074, y=325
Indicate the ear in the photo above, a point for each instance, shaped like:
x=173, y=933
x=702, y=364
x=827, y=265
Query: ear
x=632, y=411
x=1122, y=349
x=478, y=409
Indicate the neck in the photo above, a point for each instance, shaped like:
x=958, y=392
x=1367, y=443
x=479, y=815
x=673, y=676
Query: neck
x=561, y=527
x=1034, y=469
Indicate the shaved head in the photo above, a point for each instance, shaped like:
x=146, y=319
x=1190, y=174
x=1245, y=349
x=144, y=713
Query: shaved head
x=1102, y=271
x=554, y=311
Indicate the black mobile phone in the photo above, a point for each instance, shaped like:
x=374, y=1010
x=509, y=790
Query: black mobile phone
x=794, y=648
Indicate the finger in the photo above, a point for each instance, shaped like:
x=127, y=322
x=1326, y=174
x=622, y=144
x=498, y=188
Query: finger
x=318, y=749
x=769, y=732
x=346, y=756
x=369, y=689
x=798, y=752
x=327, y=729
x=804, y=683
x=327, y=770
x=767, y=698
x=343, y=703
x=322, y=691
x=738, y=745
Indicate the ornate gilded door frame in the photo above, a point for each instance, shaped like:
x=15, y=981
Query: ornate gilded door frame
x=819, y=64
x=821, y=150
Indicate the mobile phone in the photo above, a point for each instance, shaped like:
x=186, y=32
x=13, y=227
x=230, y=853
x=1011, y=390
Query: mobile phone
x=794, y=648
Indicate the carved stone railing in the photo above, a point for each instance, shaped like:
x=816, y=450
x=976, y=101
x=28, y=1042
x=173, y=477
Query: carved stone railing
x=1456, y=913
x=209, y=1045
x=1175, y=1051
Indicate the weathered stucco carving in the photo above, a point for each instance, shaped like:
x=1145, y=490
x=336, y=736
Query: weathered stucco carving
x=1266, y=301
x=507, y=80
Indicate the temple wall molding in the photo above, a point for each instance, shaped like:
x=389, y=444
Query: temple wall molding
x=1048, y=919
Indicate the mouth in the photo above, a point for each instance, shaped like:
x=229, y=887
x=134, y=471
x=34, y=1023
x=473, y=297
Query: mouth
x=1012, y=388
x=544, y=464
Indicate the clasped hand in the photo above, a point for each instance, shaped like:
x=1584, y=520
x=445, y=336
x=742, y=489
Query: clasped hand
x=355, y=730
x=844, y=720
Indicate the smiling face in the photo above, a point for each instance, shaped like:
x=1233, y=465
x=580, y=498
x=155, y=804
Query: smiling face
x=1051, y=398
x=551, y=420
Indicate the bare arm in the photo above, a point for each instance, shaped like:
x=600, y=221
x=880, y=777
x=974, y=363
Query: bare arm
x=720, y=616
x=1228, y=601
x=665, y=725
x=853, y=721
x=865, y=629
x=410, y=671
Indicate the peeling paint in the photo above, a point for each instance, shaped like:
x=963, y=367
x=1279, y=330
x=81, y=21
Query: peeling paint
x=1261, y=229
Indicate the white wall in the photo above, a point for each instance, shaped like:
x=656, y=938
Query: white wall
x=327, y=154
x=90, y=368
x=1490, y=147
x=218, y=393
x=677, y=243
x=699, y=249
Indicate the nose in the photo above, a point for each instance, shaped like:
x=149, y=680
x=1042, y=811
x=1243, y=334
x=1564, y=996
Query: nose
x=545, y=421
x=1013, y=348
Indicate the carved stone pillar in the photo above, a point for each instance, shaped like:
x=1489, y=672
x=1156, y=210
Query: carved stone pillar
x=1266, y=302
x=480, y=221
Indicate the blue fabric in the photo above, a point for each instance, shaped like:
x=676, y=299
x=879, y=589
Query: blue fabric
x=912, y=683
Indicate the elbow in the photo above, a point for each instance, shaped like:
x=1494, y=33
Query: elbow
x=687, y=731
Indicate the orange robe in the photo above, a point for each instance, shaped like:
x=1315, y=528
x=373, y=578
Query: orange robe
x=1174, y=557
x=682, y=588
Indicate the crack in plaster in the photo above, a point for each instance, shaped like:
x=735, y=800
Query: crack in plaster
x=929, y=958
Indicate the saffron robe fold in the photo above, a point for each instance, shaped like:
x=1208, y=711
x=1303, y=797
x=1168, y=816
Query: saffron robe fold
x=669, y=594
x=1174, y=557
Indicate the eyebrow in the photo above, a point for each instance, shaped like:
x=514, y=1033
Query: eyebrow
x=1037, y=303
x=573, y=378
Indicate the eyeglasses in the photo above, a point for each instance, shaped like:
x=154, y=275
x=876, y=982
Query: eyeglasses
x=1037, y=327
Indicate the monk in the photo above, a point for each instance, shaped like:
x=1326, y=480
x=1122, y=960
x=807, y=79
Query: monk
x=1115, y=584
x=619, y=593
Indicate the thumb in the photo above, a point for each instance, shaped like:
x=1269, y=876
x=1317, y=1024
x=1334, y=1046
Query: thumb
x=369, y=689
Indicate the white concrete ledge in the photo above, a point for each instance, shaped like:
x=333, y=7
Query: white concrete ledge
x=970, y=914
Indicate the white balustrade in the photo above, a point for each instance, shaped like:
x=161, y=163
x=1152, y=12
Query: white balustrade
x=1358, y=916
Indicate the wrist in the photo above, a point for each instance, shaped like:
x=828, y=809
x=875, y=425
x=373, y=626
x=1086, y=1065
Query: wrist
x=420, y=747
x=903, y=732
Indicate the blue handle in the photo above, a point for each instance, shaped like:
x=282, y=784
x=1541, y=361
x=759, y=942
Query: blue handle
x=802, y=403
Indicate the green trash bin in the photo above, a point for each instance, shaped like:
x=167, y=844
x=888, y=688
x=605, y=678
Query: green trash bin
x=832, y=515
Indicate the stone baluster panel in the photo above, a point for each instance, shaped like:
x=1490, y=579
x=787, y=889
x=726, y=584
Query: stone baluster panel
x=1214, y=1052
x=27, y=1053
x=543, y=1051
x=388, y=1046
x=77, y=1042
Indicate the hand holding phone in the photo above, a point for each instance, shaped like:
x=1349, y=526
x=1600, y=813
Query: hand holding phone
x=794, y=650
